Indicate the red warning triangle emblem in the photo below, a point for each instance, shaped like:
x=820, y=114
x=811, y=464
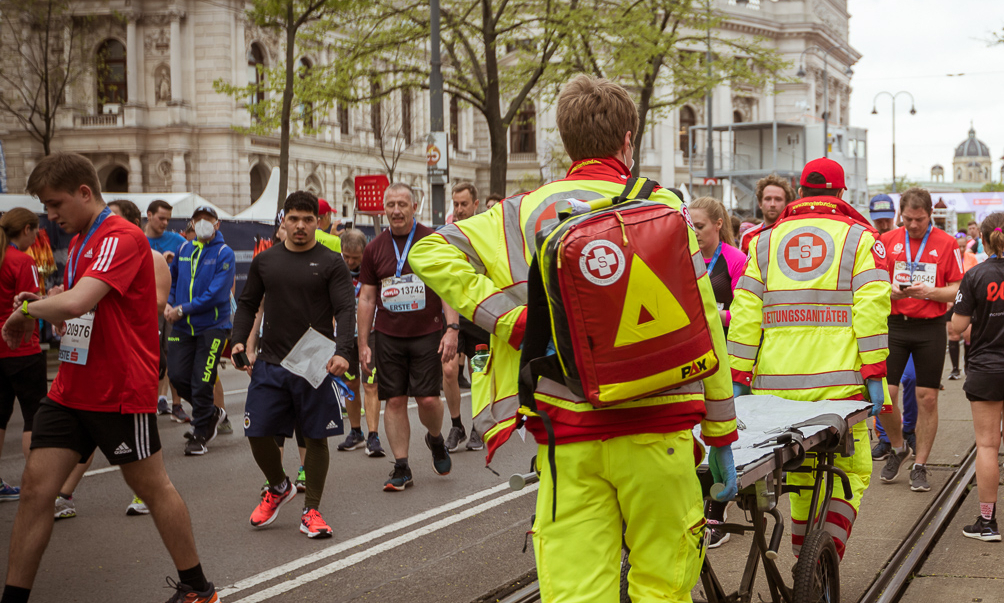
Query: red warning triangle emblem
x=645, y=316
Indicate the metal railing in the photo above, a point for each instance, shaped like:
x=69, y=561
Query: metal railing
x=522, y=158
x=109, y=120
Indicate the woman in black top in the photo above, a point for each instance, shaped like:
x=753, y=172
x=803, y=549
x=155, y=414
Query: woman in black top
x=980, y=301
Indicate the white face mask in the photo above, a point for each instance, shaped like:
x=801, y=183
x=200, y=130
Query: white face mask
x=204, y=229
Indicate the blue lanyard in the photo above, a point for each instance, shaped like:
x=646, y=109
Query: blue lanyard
x=714, y=258
x=920, y=252
x=402, y=256
x=74, y=262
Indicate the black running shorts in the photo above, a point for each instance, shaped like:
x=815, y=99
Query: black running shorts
x=164, y=328
x=356, y=368
x=408, y=366
x=926, y=339
x=23, y=378
x=122, y=438
x=984, y=387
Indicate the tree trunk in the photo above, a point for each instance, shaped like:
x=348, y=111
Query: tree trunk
x=287, y=107
x=500, y=156
x=493, y=103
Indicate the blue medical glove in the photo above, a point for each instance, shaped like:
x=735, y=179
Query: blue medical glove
x=876, y=395
x=723, y=470
x=738, y=389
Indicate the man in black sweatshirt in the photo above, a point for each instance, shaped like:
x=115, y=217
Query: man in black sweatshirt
x=307, y=286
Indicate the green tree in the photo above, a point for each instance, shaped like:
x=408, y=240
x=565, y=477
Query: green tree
x=41, y=56
x=992, y=187
x=657, y=49
x=301, y=24
x=901, y=185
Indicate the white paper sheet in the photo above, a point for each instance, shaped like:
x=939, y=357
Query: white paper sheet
x=309, y=357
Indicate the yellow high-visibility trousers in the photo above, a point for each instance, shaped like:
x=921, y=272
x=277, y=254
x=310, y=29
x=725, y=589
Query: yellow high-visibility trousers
x=647, y=482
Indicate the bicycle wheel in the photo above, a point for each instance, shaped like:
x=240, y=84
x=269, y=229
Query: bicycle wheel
x=817, y=573
x=625, y=568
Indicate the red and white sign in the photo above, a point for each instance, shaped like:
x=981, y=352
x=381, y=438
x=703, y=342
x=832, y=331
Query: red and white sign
x=602, y=262
x=711, y=182
x=805, y=252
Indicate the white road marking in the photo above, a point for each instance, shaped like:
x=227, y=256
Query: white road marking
x=351, y=560
x=107, y=469
x=354, y=542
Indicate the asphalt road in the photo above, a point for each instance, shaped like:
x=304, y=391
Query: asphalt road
x=449, y=538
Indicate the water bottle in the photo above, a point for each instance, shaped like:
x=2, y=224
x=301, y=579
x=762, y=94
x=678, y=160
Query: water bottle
x=480, y=359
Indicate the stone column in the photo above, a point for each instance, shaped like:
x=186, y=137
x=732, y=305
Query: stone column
x=135, y=173
x=179, y=178
x=132, y=55
x=176, y=97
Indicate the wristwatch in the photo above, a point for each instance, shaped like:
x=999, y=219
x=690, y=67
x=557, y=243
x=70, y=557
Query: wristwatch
x=454, y=326
x=181, y=311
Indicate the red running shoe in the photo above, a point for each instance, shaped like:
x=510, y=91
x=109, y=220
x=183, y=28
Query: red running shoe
x=312, y=524
x=267, y=510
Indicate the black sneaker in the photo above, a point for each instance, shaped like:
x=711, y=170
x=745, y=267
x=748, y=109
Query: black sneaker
x=881, y=450
x=893, y=466
x=910, y=438
x=186, y=594
x=219, y=416
x=352, y=441
x=400, y=478
x=196, y=446
x=475, y=442
x=716, y=537
x=441, y=462
x=954, y=375
x=373, y=447
x=163, y=406
x=918, y=479
x=457, y=436
x=984, y=529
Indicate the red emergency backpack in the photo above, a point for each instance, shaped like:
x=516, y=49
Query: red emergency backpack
x=615, y=291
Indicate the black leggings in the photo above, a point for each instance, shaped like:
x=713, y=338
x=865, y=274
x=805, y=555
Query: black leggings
x=926, y=340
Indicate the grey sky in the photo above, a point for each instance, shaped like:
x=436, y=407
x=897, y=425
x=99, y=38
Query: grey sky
x=911, y=45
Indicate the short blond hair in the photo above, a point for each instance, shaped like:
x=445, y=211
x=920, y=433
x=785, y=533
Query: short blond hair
x=594, y=115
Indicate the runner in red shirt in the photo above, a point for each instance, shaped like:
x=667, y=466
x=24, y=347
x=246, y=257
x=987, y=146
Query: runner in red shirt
x=22, y=371
x=105, y=392
x=773, y=194
x=926, y=269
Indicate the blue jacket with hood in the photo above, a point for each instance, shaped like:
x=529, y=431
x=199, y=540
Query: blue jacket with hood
x=202, y=276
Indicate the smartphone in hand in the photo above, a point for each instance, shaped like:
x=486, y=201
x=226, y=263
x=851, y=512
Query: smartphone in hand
x=241, y=360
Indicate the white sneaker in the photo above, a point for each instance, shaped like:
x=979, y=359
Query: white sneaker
x=137, y=507
x=65, y=508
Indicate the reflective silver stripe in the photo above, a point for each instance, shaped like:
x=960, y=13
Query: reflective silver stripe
x=763, y=254
x=844, y=509
x=531, y=228
x=751, y=284
x=875, y=342
x=699, y=267
x=783, y=382
x=804, y=315
x=490, y=310
x=554, y=389
x=720, y=410
x=869, y=276
x=514, y=244
x=454, y=236
x=798, y=528
x=848, y=256
x=517, y=293
x=741, y=350
x=838, y=533
x=505, y=408
x=807, y=296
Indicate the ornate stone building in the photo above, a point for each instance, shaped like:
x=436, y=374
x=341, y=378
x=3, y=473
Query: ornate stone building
x=160, y=126
x=972, y=160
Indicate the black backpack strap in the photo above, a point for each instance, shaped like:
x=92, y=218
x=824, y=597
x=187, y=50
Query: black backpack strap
x=647, y=188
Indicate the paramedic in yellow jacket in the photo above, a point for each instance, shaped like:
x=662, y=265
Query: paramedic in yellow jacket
x=631, y=464
x=809, y=322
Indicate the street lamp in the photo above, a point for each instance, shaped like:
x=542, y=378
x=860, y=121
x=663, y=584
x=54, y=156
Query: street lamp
x=913, y=111
x=826, y=87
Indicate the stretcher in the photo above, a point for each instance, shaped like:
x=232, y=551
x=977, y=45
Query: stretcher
x=776, y=436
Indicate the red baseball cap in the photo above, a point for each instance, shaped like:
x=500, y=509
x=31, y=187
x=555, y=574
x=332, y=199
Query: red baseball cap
x=323, y=208
x=827, y=174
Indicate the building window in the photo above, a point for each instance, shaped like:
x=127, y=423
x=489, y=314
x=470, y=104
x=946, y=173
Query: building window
x=376, y=113
x=256, y=75
x=522, y=131
x=406, y=116
x=455, y=122
x=111, y=68
x=117, y=181
x=737, y=117
x=687, y=120
x=306, y=109
x=259, y=180
x=343, y=118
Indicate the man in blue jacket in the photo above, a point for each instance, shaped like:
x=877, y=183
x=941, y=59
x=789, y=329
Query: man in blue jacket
x=202, y=276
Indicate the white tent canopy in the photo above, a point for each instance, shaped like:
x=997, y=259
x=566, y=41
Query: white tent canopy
x=183, y=204
x=264, y=209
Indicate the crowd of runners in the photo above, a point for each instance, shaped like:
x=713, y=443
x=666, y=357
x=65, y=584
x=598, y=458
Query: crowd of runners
x=332, y=326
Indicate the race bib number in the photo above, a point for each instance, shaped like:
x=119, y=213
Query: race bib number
x=922, y=273
x=77, y=340
x=403, y=294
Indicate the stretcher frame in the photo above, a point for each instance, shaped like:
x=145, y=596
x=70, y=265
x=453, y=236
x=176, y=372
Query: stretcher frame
x=761, y=484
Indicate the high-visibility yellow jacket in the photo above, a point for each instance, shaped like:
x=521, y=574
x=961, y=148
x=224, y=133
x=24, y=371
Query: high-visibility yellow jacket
x=479, y=267
x=809, y=319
